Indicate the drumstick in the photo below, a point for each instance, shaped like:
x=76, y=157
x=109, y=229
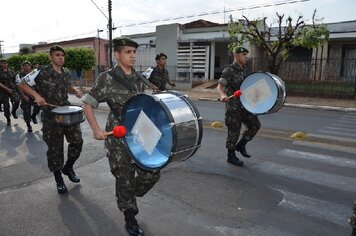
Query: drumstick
x=51, y=105
x=118, y=131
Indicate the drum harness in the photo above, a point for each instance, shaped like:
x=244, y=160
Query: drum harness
x=126, y=84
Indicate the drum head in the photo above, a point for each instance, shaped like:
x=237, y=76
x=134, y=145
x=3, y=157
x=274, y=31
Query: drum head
x=161, y=119
x=67, y=110
x=259, y=93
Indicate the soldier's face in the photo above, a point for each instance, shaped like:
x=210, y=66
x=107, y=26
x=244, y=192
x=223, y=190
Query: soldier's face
x=162, y=61
x=26, y=68
x=126, y=57
x=241, y=58
x=57, y=58
x=4, y=65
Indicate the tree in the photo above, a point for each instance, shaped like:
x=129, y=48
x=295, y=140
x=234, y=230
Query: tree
x=16, y=60
x=80, y=59
x=24, y=51
x=277, y=45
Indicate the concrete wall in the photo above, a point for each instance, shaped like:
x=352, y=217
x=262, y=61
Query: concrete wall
x=167, y=43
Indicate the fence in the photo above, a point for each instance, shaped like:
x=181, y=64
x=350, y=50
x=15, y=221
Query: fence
x=316, y=77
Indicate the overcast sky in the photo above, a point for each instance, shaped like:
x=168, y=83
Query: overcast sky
x=51, y=21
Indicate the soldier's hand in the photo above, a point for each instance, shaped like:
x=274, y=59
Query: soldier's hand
x=78, y=93
x=25, y=98
x=9, y=91
x=224, y=98
x=99, y=134
x=40, y=100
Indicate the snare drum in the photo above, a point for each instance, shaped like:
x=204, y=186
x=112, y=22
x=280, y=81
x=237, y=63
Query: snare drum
x=68, y=115
x=163, y=128
x=262, y=93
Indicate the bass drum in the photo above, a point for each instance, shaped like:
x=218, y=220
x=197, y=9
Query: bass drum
x=262, y=93
x=162, y=128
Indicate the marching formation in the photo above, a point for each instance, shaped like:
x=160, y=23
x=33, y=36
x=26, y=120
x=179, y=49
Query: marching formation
x=132, y=136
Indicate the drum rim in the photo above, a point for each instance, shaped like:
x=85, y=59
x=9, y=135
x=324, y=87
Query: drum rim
x=71, y=113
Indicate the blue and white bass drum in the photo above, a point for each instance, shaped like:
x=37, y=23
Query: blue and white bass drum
x=262, y=93
x=162, y=128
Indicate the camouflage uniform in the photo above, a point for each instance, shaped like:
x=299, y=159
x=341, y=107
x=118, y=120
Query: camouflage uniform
x=232, y=77
x=131, y=181
x=353, y=219
x=159, y=78
x=53, y=87
x=26, y=106
x=7, y=78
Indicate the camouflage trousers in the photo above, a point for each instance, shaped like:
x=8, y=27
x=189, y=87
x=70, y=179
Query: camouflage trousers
x=131, y=181
x=353, y=217
x=234, y=120
x=26, y=108
x=5, y=100
x=54, y=135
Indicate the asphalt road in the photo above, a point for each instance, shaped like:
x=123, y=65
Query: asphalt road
x=287, y=188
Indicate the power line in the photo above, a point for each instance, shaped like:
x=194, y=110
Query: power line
x=99, y=9
x=213, y=13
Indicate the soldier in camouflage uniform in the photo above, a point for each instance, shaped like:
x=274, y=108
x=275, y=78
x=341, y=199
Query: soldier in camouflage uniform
x=115, y=87
x=229, y=82
x=27, y=101
x=8, y=91
x=159, y=75
x=53, y=84
x=352, y=220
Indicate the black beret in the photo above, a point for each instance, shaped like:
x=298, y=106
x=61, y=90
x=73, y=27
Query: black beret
x=158, y=56
x=240, y=50
x=55, y=48
x=117, y=42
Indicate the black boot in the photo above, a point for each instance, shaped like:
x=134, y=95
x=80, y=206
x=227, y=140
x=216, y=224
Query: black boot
x=68, y=170
x=233, y=159
x=34, y=119
x=8, y=121
x=29, y=127
x=241, y=147
x=131, y=225
x=61, y=187
x=14, y=114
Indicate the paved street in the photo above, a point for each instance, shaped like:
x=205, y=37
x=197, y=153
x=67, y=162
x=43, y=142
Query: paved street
x=287, y=188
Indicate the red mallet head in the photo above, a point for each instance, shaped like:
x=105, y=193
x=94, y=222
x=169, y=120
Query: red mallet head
x=237, y=94
x=119, y=131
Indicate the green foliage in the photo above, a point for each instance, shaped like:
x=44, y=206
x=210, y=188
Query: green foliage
x=15, y=61
x=25, y=51
x=311, y=36
x=80, y=58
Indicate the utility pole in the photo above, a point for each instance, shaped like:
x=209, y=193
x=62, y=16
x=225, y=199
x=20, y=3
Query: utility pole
x=1, y=48
x=99, y=30
x=110, y=34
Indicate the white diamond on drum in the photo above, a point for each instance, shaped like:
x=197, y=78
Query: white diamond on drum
x=146, y=133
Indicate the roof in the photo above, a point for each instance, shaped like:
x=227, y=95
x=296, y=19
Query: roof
x=200, y=24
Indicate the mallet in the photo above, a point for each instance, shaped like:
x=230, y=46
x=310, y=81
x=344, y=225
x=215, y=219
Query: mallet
x=118, y=131
x=236, y=94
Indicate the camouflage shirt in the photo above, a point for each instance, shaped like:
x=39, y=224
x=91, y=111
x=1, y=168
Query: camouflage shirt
x=53, y=86
x=232, y=77
x=159, y=78
x=7, y=78
x=116, y=94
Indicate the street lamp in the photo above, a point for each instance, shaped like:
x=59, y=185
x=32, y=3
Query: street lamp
x=99, y=30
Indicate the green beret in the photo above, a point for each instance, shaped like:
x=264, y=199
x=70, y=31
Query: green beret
x=3, y=60
x=117, y=42
x=26, y=62
x=240, y=50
